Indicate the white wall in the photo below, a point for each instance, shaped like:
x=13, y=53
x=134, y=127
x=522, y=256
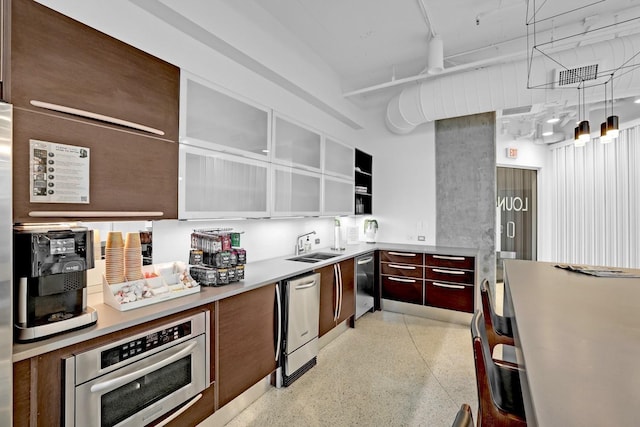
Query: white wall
x=404, y=189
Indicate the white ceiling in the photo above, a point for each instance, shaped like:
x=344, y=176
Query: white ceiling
x=372, y=45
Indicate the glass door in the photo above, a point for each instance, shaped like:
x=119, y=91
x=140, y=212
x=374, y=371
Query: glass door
x=516, y=215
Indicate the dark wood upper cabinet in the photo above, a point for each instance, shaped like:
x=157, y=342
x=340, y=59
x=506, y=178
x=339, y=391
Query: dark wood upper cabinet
x=55, y=59
x=128, y=172
x=50, y=58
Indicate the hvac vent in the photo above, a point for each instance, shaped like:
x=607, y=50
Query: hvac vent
x=574, y=76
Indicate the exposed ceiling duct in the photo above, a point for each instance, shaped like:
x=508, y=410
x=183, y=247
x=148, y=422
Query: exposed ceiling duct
x=504, y=86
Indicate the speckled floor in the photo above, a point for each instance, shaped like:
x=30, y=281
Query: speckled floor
x=391, y=370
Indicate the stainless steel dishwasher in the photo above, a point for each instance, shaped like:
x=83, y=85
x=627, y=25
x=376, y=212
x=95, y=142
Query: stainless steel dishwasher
x=301, y=301
x=364, y=283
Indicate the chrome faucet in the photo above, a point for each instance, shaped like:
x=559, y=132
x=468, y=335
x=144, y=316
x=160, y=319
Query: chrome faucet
x=299, y=243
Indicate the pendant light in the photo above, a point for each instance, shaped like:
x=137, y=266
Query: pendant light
x=604, y=136
x=582, y=132
x=612, y=120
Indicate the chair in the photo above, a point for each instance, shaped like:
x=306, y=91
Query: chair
x=499, y=328
x=464, y=418
x=499, y=391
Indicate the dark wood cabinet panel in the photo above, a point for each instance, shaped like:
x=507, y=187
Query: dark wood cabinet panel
x=402, y=257
x=327, y=299
x=21, y=393
x=450, y=275
x=402, y=270
x=128, y=171
x=402, y=289
x=246, y=341
x=452, y=261
x=449, y=296
x=58, y=60
x=348, y=308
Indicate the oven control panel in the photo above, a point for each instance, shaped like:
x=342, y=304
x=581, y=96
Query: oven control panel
x=140, y=345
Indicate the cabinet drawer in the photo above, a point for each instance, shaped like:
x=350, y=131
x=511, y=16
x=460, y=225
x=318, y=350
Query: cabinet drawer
x=451, y=296
x=402, y=289
x=403, y=270
x=449, y=275
x=453, y=261
x=402, y=257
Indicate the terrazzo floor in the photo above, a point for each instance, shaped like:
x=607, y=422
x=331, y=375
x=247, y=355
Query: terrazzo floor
x=391, y=370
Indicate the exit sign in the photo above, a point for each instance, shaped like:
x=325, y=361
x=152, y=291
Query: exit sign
x=512, y=153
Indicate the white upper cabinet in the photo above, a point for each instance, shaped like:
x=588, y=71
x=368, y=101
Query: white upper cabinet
x=338, y=159
x=337, y=196
x=296, y=145
x=218, y=185
x=295, y=192
x=211, y=117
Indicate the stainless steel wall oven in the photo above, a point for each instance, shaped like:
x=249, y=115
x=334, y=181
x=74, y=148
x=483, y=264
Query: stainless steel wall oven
x=134, y=381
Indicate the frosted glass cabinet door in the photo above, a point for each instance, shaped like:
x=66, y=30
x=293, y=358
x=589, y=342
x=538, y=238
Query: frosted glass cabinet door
x=337, y=196
x=218, y=185
x=211, y=118
x=338, y=159
x=295, y=192
x=296, y=145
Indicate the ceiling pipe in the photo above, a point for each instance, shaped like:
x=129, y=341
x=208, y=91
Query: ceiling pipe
x=593, y=38
x=501, y=86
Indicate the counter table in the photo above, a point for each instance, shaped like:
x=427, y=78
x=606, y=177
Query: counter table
x=578, y=338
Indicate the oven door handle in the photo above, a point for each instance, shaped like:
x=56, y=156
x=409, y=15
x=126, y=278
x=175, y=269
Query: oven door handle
x=124, y=379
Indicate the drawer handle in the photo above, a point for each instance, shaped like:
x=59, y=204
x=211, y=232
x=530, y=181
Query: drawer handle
x=450, y=258
x=95, y=116
x=399, y=279
x=442, y=285
x=437, y=270
x=402, y=254
x=402, y=267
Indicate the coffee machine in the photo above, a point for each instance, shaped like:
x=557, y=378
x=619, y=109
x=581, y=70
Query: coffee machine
x=50, y=280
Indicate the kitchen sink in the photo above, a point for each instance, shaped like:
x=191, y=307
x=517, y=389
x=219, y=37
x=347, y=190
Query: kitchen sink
x=315, y=257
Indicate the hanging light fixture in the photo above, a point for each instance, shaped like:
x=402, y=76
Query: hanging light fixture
x=582, y=133
x=604, y=137
x=612, y=120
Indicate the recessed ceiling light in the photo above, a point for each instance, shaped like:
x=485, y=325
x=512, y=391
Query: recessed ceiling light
x=637, y=101
x=553, y=119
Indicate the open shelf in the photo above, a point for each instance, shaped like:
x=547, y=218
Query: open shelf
x=363, y=183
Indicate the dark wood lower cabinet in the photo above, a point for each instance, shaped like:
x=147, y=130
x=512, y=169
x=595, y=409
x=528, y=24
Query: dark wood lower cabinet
x=401, y=289
x=246, y=341
x=443, y=281
x=329, y=295
x=449, y=295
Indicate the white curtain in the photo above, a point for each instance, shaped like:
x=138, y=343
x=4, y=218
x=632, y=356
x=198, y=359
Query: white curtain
x=590, y=202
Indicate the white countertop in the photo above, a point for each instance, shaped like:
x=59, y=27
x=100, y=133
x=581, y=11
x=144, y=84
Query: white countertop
x=579, y=340
x=257, y=274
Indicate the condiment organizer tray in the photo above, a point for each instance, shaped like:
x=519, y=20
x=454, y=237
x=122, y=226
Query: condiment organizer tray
x=172, y=281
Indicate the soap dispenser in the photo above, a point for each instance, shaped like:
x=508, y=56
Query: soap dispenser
x=337, y=235
x=307, y=245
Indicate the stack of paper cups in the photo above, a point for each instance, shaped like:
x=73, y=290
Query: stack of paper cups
x=114, y=258
x=133, y=257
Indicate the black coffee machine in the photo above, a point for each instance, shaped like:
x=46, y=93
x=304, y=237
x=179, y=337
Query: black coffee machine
x=50, y=285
